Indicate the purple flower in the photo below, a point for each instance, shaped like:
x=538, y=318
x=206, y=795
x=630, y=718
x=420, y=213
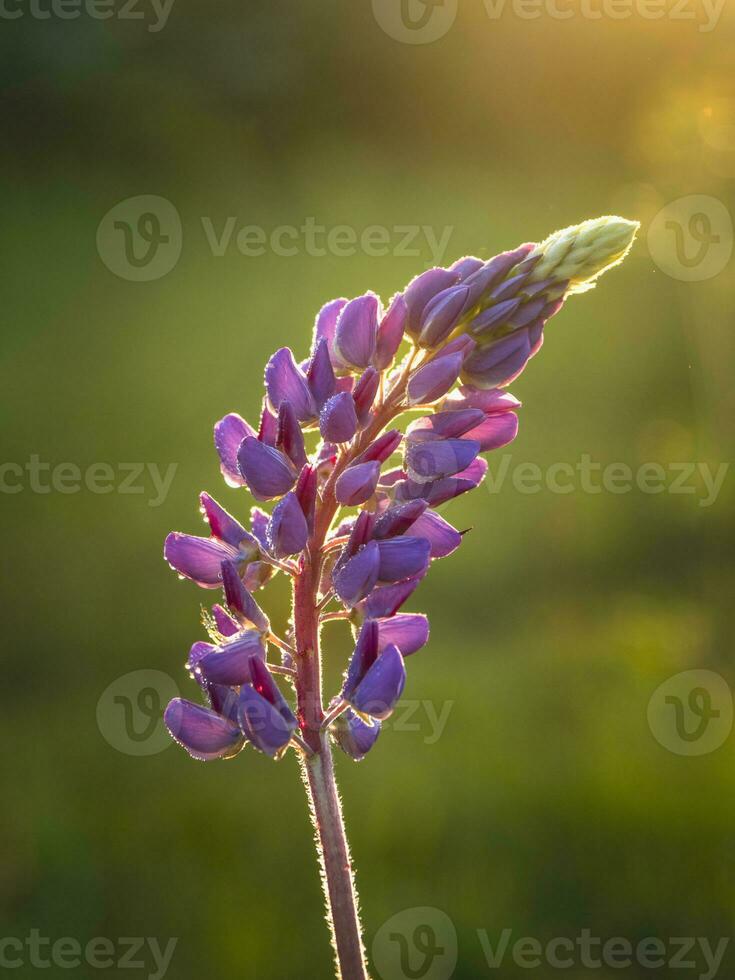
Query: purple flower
x=240, y=602
x=231, y=662
x=375, y=679
x=407, y=631
x=434, y=379
x=364, y=394
x=265, y=717
x=442, y=537
x=386, y=600
x=338, y=418
x=430, y=460
x=355, y=578
x=357, y=483
x=320, y=374
x=356, y=330
x=441, y=314
x=390, y=333
x=287, y=529
x=402, y=558
x=229, y=432
x=499, y=363
x=200, y=559
x=354, y=736
x=285, y=382
x=267, y=471
x=422, y=289
x=289, y=437
x=202, y=732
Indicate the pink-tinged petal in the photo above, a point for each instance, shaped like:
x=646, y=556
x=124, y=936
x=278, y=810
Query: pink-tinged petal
x=356, y=331
x=338, y=418
x=287, y=531
x=498, y=364
x=225, y=527
x=320, y=374
x=231, y=662
x=420, y=290
x=229, y=432
x=357, y=483
x=364, y=656
x=204, y=734
x=240, y=601
x=433, y=459
x=382, y=686
x=444, y=425
x=390, y=333
x=495, y=432
x=386, y=600
x=226, y=625
x=490, y=401
x=267, y=471
x=290, y=438
x=284, y=381
x=443, y=538
x=364, y=395
x=306, y=491
x=199, y=559
x=382, y=448
x=354, y=579
x=476, y=471
x=402, y=558
x=408, y=631
x=434, y=379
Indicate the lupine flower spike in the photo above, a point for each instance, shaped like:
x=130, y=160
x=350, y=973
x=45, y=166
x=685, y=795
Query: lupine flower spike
x=354, y=523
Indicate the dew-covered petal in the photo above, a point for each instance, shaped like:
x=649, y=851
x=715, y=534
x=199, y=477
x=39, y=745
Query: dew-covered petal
x=267, y=471
x=226, y=625
x=338, y=418
x=408, y=631
x=284, y=381
x=398, y=518
x=225, y=527
x=231, y=662
x=229, y=432
x=402, y=558
x=202, y=732
x=199, y=559
x=357, y=483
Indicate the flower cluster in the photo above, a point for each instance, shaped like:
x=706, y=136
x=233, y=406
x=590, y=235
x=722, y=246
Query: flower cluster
x=444, y=349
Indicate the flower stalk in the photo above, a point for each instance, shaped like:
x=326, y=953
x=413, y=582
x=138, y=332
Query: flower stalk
x=446, y=347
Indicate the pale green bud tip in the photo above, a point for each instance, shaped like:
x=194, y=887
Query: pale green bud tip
x=581, y=253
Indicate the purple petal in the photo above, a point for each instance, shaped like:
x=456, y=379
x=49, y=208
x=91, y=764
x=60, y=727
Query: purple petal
x=466, y=266
x=258, y=523
x=290, y=438
x=509, y=288
x=383, y=447
x=443, y=538
x=285, y=382
x=495, y=432
x=287, y=530
x=527, y=313
x=203, y=733
x=498, y=364
x=357, y=576
x=268, y=428
x=197, y=651
x=199, y=559
x=388, y=599
x=382, y=686
x=356, y=331
x=408, y=631
x=267, y=471
x=325, y=326
x=240, y=601
x=441, y=314
x=306, y=490
x=434, y=459
x=493, y=316
x=402, y=558
x=390, y=333
x=491, y=401
x=494, y=271
x=364, y=395
x=320, y=374
x=444, y=425
x=231, y=662
x=422, y=289
x=363, y=657
x=264, y=714
x=225, y=527
x=226, y=625
x=362, y=531
x=357, y=483
x=354, y=736
x=434, y=379
x=398, y=518
x=338, y=418
x=229, y=432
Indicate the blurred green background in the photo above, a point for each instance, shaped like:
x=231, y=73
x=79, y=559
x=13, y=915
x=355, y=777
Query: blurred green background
x=546, y=805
